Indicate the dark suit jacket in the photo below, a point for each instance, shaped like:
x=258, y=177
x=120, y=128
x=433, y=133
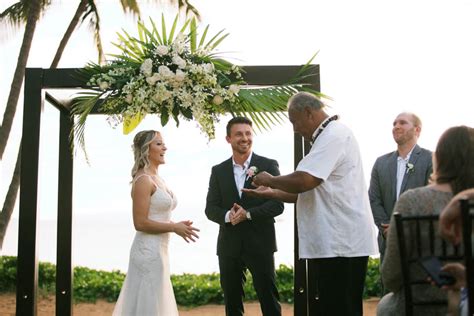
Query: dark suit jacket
x=383, y=183
x=250, y=236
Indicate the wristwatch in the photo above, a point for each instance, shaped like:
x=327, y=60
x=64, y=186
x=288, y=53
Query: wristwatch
x=249, y=217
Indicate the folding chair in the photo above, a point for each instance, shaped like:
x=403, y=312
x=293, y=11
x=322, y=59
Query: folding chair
x=467, y=209
x=418, y=238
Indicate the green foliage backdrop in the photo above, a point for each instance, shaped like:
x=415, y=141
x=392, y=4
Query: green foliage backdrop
x=190, y=289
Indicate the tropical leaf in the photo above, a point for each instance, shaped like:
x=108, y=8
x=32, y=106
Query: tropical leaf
x=131, y=122
x=193, y=35
x=163, y=30
x=131, y=85
x=173, y=28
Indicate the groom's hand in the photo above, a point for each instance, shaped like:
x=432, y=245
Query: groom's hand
x=233, y=211
x=240, y=215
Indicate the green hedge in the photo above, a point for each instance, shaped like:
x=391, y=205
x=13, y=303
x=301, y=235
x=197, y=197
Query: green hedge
x=189, y=289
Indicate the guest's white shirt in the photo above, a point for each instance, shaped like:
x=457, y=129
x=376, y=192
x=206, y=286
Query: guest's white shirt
x=334, y=219
x=402, y=170
x=240, y=175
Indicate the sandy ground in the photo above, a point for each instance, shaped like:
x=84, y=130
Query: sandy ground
x=101, y=308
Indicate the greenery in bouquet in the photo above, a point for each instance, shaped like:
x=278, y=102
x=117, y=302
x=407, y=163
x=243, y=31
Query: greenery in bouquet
x=175, y=74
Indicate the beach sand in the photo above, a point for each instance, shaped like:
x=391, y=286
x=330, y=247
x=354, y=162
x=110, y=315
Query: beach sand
x=46, y=307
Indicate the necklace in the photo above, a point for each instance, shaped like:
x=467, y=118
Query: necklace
x=323, y=126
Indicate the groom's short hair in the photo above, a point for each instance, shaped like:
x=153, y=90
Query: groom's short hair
x=237, y=120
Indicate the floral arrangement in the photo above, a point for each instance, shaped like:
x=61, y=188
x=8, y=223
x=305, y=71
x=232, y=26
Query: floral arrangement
x=410, y=167
x=176, y=75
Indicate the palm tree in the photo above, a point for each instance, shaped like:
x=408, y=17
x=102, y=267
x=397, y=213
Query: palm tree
x=88, y=8
x=31, y=10
x=20, y=12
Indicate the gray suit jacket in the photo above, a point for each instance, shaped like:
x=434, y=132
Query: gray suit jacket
x=383, y=184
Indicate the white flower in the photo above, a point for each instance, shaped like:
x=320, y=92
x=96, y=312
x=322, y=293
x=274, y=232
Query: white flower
x=162, y=50
x=153, y=79
x=234, y=88
x=208, y=68
x=103, y=85
x=147, y=67
x=165, y=72
x=410, y=167
x=179, y=43
x=217, y=100
x=129, y=99
x=180, y=62
x=180, y=75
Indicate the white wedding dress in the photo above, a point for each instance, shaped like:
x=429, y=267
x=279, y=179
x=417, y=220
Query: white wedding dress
x=147, y=289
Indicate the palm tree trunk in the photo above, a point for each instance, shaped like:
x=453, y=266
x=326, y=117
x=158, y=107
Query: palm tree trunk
x=10, y=200
x=17, y=82
x=67, y=35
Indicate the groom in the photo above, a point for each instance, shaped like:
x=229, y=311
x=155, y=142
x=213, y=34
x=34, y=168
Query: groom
x=246, y=224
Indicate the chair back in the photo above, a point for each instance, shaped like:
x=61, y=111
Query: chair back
x=467, y=210
x=418, y=238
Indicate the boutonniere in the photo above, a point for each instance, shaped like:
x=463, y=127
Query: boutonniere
x=410, y=167
x=251, y=172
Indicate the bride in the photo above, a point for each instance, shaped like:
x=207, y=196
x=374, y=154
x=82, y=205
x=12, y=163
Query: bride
x=147, y=288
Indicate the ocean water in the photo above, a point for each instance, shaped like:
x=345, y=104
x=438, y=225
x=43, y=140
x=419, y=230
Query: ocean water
x=103, y=242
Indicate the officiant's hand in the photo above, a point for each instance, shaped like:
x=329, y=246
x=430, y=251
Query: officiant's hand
x=262, y=178
x=186, y=230
x=261, y=192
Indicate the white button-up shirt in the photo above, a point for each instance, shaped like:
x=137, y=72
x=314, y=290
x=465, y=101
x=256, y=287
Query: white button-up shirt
x=402, y=170
x=334, y=219
x=240, y=175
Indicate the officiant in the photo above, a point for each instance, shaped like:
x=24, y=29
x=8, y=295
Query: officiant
x=335, y=228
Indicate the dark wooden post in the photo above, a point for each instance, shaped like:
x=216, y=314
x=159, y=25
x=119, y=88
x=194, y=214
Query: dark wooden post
x=64, y=269
x=305, y=285
x=300, y=290
x=27, y=266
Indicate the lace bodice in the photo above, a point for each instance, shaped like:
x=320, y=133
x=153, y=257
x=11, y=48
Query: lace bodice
x=162, y=201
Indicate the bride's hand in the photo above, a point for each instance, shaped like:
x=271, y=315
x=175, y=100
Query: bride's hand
x=186, y=230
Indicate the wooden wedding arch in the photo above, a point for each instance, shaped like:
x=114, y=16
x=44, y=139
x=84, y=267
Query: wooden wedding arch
x=37, y=83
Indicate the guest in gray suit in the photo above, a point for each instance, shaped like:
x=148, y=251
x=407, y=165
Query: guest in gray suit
x=408, y=167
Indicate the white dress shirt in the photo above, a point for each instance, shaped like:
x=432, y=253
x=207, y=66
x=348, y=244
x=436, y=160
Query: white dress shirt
x=240, y=175
x=334, y=219
x=401, y=170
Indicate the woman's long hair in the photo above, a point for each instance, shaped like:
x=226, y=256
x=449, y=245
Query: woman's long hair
x=141, y=145
x=454, y=158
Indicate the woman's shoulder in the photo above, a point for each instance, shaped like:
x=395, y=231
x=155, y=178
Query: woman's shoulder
x=424, y=192
x=142, y=180
x=142, y=177
x=422, y=199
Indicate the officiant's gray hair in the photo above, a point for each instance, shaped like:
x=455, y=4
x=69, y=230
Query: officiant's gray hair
x=141, y=145
x=302, y=100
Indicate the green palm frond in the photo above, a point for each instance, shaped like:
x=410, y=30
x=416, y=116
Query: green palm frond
x=82, y=106
x=176, y=73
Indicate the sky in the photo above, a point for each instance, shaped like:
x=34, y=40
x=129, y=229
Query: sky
x=377, y=59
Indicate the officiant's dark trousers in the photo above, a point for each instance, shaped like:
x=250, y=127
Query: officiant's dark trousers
x=232, y=274
x=339, y=285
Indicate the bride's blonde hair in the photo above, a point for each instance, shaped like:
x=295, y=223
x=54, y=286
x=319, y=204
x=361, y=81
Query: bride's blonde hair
x=141, y=145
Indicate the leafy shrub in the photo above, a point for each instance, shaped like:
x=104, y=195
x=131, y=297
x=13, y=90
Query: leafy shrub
x=373, y=285
x=190, y=289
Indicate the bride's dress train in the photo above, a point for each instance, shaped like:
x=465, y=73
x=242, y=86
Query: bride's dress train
x=147, y=289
